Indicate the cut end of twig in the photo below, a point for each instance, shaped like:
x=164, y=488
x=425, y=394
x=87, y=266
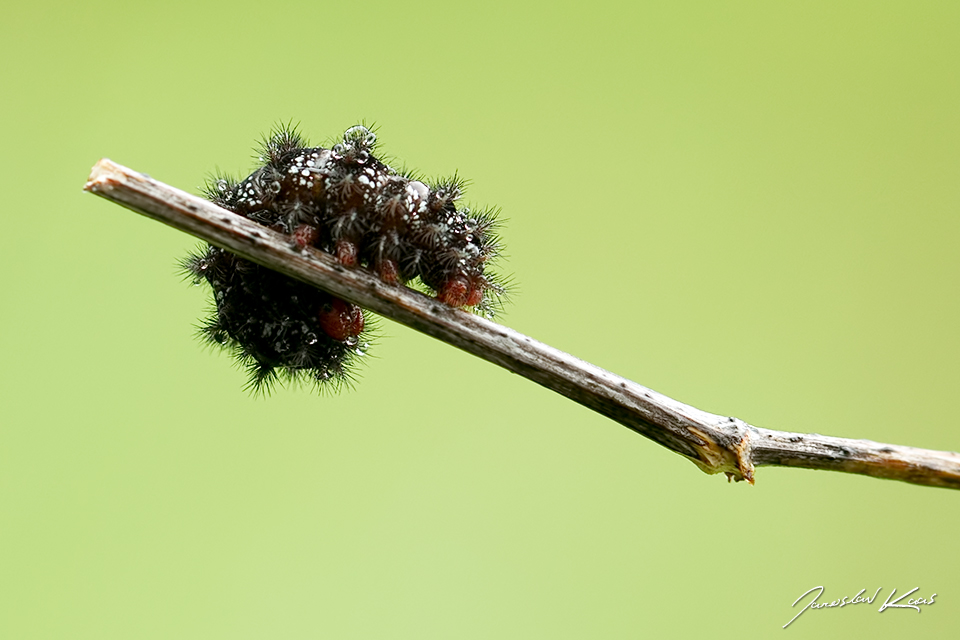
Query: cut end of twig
x=102, y=174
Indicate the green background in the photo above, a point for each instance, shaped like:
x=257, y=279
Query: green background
x=749, y=206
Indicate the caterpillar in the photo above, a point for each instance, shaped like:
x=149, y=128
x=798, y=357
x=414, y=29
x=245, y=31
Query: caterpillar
x=347, y=202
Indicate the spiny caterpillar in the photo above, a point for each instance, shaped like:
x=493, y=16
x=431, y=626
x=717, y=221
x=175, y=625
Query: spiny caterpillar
x=347, y=202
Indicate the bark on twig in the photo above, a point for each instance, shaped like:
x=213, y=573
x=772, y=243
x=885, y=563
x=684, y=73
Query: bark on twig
x=715, y=443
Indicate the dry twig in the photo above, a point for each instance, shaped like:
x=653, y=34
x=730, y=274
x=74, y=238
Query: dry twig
x=715, y=443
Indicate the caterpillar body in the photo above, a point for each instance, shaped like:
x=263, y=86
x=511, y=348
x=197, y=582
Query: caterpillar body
x=347, y=202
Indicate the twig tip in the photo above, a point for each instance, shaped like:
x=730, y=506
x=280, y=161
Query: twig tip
x=102, y=173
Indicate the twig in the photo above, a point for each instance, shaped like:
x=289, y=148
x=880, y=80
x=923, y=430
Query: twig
x=715, y=443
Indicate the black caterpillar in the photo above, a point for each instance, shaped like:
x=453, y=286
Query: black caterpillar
x=345, y=201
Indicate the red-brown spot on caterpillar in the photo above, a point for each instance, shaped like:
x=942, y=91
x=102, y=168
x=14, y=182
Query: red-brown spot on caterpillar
x=475, y=296
x=455, y=291
x=346, y=253
x=341, y=320
x=388, y=271
x=305, y=235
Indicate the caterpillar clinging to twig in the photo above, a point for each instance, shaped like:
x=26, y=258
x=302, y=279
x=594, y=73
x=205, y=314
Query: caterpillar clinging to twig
x=347, y=202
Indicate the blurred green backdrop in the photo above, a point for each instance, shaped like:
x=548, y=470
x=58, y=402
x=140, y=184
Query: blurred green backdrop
x=750, y=206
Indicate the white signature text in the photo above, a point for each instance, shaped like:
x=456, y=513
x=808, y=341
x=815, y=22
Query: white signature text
x=889, y=603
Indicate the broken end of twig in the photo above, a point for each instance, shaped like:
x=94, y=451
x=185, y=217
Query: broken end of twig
x=731, y=458
x=103, y=174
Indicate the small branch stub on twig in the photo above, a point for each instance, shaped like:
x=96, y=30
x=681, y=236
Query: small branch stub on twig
x=717, y=444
